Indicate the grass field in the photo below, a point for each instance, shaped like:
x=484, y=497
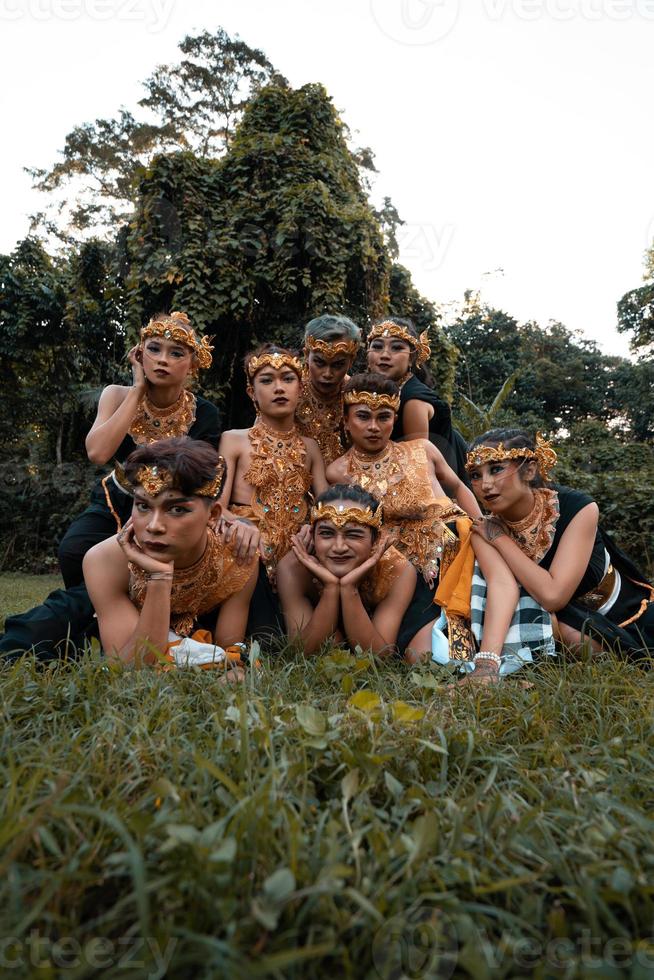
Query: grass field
x=332, y=817
x=20, y=592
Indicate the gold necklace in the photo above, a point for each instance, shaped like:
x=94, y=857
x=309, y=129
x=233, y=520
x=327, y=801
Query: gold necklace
x=152, y=423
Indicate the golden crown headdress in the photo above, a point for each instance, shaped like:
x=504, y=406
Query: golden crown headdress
x=543, y=453
x=389, y=329
x=372, y=399
x=340, y=515
x=155, y=479
x=331, y=348
x=177, y=326
x=277, y=360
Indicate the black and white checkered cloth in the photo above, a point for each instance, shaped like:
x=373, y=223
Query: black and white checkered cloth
x=530, y=632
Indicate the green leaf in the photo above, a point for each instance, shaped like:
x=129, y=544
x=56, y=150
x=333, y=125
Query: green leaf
x=312, y=721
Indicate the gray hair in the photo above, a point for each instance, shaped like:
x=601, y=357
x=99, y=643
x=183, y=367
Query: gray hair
x=332, y=327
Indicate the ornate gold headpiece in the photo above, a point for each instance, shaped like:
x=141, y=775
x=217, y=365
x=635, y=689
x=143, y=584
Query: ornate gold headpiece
x=277, y=360
x=331, y=348
x=390, y=329
x=543, y=454
x=177, y=326
x=340, y=515
x=155, y=479
x=372, y=399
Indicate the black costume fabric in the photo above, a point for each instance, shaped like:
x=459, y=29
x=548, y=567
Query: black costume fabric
x=441, y=431
x=61, y=625
x=97, y=522
x=421, y=611
x=636, y=637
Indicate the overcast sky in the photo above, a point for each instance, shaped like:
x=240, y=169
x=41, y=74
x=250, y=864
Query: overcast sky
x=515, y=138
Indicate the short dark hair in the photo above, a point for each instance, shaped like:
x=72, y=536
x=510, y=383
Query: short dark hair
x=510, y=439
x=191, y=462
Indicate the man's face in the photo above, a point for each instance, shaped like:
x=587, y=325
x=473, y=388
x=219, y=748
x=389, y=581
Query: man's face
x=326, y=374
x=370, y=428
x=342, y=549
x=170, y=526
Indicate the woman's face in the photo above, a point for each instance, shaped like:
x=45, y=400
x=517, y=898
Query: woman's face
x=369, y=428
x=389, y=356
x=327, y=374
x=276, y=391
x=500, y=485
x=342, y=549
x=172, y=526
x=166, y=362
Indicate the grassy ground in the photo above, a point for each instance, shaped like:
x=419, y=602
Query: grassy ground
x=327, y=818
x=20, y=592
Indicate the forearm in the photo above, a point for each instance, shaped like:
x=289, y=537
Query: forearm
x=535, y=580
x=323, y=622
x=150, y=636
x=466, y=499
x=103, y=441
x=359, y=628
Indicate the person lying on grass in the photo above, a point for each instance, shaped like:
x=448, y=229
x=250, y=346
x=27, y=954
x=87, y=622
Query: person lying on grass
x=169, y=567
x=358, y=588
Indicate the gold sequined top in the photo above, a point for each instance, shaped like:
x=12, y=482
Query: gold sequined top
x=399, y=477
x=320, y=419
x=199, y=588
x=151, y=423
x=281, y=479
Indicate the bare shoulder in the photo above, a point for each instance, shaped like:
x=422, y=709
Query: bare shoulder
x=337, y=471
x=106, y=562
x=233, y=439
x=310, y=445
x=114, y=395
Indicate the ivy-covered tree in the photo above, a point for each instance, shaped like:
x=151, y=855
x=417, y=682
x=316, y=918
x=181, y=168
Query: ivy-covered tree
x=256, y=243
x=192, y=105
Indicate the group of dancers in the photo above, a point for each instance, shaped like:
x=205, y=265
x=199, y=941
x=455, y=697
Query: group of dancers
x=351, y=511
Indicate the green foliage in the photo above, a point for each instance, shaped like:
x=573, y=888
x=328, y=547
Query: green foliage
x=195, y=105
x=636, y=315
x=38, y=501
x=619, y=476
x=255, y=244
x=331, y=817
x=562, y=378
x=480, y=419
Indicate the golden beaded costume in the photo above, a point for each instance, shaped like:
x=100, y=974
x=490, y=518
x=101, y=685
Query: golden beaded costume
x=399, y=477
x=199, y=588
x=281, y=480
x=321, y=419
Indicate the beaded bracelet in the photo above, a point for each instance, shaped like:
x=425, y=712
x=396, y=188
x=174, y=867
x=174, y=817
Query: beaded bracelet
x=487, y=655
